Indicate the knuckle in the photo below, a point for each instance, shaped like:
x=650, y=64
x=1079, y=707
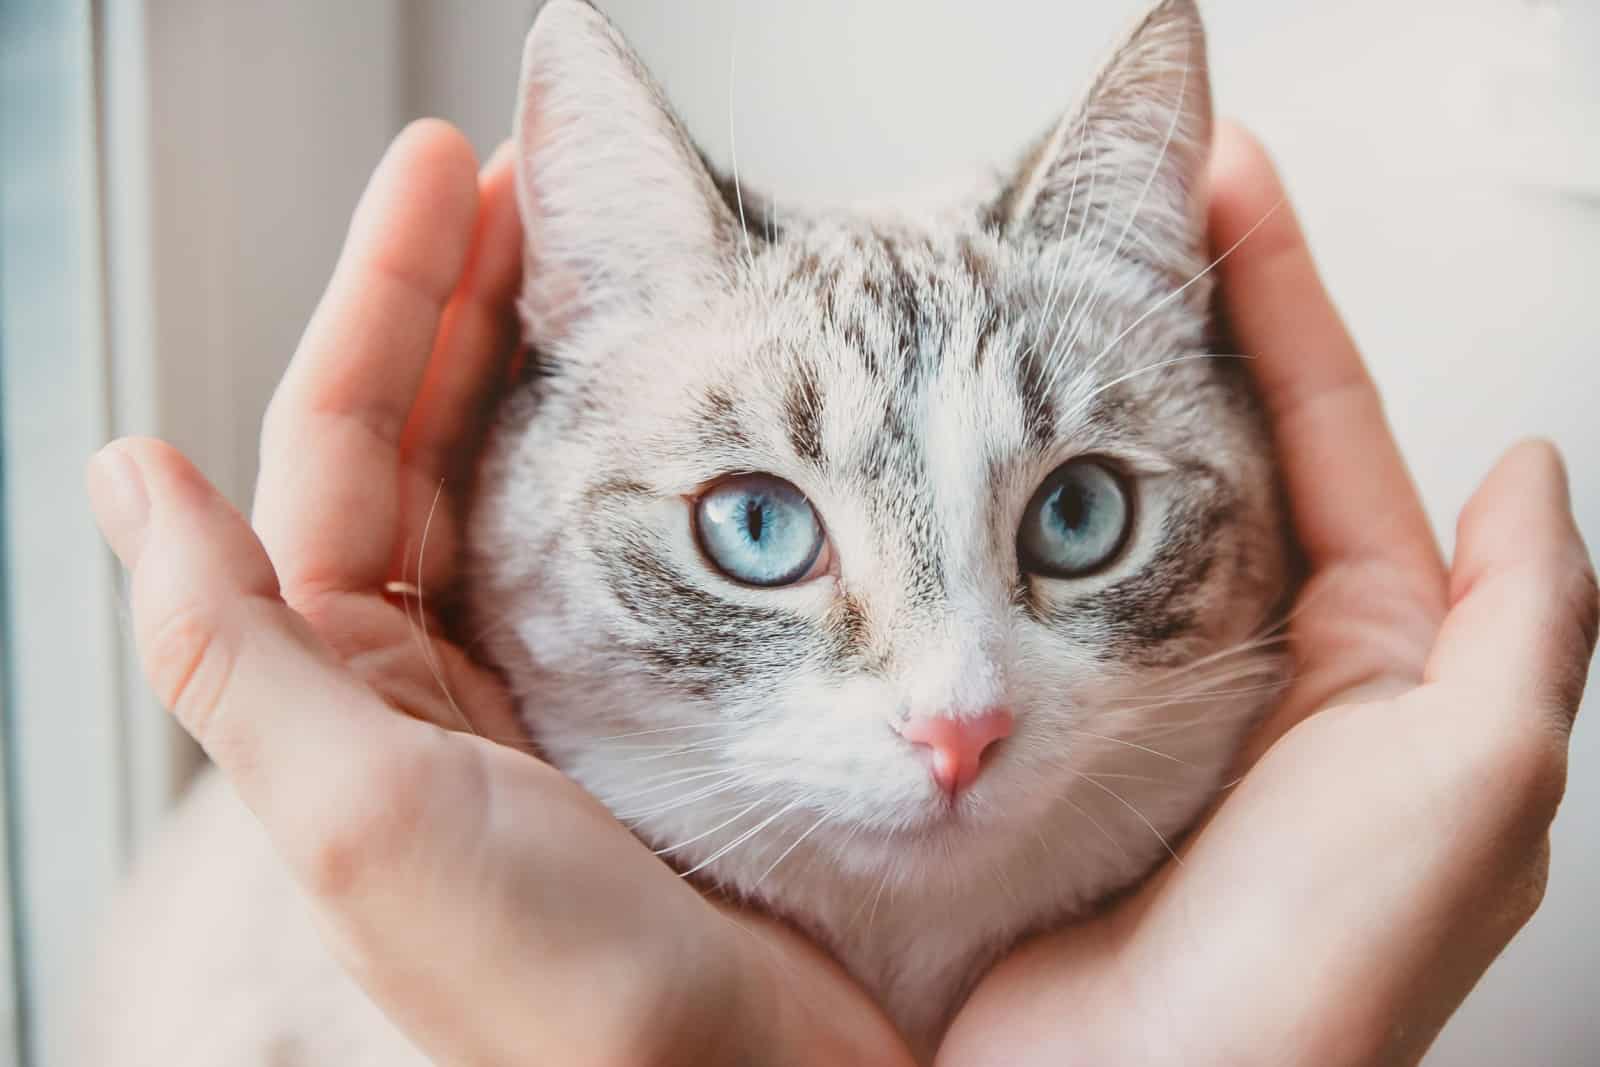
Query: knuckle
x=1583, y=600
x=189, y=662
x=337, y=857
x=1574, y=624
x=1524, y=894
x=1536, y=879
x=373, y=831
x=1586, y=597
x=1526, y=766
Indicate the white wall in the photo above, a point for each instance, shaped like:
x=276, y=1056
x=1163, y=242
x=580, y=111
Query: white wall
x=175, y=178
x=265, y=120
x=1444, y=160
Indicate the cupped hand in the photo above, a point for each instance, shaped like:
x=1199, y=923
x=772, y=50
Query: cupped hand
x=488, y=904
x=1391, y=832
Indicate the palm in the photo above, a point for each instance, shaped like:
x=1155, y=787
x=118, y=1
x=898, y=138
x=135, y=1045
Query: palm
x=390, y=632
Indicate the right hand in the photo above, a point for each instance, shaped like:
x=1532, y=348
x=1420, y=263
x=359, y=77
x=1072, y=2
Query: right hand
x=488, y=904
x=1390, y=832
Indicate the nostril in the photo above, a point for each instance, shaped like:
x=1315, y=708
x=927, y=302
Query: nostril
x=957, y=744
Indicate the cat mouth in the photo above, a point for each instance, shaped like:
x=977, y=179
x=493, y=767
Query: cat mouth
x=940, y=814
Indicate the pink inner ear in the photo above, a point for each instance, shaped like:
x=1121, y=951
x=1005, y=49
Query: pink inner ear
x=618, y=209
x=549, y=313
x=1153, y=101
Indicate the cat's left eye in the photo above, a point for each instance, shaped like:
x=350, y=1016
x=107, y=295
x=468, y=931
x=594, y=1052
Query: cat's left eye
x=760, y=530
x=1077, y=521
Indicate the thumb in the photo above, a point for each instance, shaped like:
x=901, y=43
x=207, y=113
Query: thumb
x=239, y=670
x=1524, y=611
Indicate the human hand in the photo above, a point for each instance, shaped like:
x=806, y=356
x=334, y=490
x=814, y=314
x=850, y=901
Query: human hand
x=1391, y=833
x=483, y=900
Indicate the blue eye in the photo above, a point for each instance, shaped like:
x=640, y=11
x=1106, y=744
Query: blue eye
x=1076, y=523
x=759, y=530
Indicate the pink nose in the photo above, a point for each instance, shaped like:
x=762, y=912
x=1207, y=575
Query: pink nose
x=958, y=744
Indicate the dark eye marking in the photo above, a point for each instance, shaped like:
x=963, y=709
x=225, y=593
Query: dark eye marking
x=696, y=642
x=718, y=420
x=904, y=305
x=847, y=625
x=803, y=414
x=980, y=272
x=1038, y=406
x=988, y=326
x=807, y=269
x=618, y=486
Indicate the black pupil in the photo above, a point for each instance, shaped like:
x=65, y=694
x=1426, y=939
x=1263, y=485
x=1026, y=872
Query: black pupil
x=755, y=517
x=1072, y=504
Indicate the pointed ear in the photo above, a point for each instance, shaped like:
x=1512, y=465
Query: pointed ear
x=1130, y=162
x=617, y=205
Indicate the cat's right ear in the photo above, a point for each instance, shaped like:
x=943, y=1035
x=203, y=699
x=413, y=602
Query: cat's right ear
x=618, y=209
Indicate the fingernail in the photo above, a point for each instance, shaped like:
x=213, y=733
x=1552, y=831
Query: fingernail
x=121, y=505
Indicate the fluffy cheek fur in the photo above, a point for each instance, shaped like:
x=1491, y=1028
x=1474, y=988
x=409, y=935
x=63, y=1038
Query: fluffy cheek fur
x=747, y=734
x=1118, y=741
x=916, y=375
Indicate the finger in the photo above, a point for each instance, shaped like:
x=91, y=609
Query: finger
x=331, y=440
x=1350, y=494
x=237, y=668
x=1524, y=611
x=478, y=331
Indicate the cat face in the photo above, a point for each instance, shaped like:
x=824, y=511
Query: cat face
x=778, y=488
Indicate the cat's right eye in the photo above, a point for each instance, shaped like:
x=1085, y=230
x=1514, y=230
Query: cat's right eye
x=759, y=530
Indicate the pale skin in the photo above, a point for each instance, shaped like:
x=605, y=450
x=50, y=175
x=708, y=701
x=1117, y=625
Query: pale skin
x=1388, y=838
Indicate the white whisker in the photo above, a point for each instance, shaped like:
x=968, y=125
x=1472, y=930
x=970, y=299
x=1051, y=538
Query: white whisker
x=742, y=838
x=419, y=623
x=1084, y=403
x=655, y=754
x=1056, y=274
x=707, y=833
x=1107, y=834
x=1186, y=286
x=668, y=730
x=1129, y=744
x=785, y=854
x=1114, y=795
x=1070, y=316
x=727, y=785
x=1149, y=183
x=669, y=782
x=733, y=141
x=877, y=897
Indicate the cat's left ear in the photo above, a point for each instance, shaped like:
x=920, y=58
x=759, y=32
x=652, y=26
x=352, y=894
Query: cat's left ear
x=1128, y=165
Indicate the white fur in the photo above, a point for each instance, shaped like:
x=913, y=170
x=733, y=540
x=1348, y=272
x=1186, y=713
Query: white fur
x=794, y=790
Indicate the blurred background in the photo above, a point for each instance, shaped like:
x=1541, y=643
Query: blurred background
x=175, y=177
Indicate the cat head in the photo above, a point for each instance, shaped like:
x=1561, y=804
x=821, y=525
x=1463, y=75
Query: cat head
x=886, y=544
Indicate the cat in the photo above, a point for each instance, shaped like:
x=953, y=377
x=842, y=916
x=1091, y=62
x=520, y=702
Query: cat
x=906, y=572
